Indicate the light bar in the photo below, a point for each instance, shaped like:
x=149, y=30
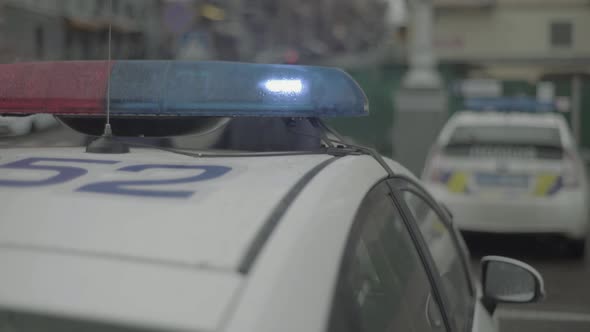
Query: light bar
x=179, y=88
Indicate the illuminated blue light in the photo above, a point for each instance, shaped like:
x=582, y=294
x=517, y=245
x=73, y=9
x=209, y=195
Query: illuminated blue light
x=284, y=86
x=181, y=88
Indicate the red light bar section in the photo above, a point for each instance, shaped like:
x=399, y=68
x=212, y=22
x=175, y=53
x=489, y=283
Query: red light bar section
x=77, y=87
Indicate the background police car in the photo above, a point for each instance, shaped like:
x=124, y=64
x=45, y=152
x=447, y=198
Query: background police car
x=511, y=173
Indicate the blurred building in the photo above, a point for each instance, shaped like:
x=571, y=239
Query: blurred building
x=134, y=23
x=281, y=30
x=514, y=38
x=534, y=48
x=78, y=29
x=30, y=30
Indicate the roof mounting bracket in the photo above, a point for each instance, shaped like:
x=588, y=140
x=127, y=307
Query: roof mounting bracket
x=362, y=149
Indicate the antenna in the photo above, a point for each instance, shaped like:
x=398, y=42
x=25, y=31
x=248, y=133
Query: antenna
x=107, y=143
x=107, y=127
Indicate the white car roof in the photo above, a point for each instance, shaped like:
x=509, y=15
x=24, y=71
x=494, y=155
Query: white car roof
x=546, y=119
x=212, y=228
x=470, y=118
x=157, y=262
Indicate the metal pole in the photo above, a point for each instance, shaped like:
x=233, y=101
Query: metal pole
x=239, y=31
x=421, y=105
x=576, y=107
x=423, y=73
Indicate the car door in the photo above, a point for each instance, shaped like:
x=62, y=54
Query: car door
x=449, y=255
x=383, y=284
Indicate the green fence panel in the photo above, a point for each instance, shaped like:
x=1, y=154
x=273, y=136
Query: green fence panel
x=585, y=113
x=379, y=83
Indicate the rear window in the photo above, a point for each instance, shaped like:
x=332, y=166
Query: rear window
x=511, y=135
x=505, y=141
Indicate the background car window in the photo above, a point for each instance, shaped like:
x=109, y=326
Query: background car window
x=383, y=285
x=500, y=134
x=447, y=257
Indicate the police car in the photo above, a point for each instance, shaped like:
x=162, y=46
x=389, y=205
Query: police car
x=511, y=172
x=132, y=234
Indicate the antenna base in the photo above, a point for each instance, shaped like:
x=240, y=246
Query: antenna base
x=107, y=145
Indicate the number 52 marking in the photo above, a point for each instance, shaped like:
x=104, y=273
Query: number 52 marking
x=129, y=188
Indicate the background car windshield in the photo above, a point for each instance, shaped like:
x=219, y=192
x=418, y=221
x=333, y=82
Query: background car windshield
x=514, y=135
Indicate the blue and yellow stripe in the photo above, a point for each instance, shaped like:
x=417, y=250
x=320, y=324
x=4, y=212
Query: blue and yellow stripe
x=546, y=184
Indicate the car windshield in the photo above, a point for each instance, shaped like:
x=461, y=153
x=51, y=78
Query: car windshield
x=505, y=135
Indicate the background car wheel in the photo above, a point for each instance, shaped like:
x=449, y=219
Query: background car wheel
x=577, y=249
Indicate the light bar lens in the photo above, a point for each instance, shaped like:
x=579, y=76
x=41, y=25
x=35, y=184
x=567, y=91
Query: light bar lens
x=77, y=87
x=173, y=88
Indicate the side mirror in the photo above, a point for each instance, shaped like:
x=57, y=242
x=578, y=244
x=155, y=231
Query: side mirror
x=506, y=280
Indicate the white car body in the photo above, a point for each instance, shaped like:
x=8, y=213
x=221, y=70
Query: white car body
x=22, y=125
x=15, y=126
x=232, y=256
x=540, y=194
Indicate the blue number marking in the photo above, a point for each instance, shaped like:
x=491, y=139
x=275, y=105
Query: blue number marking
x=121, y=187
x=64, y=173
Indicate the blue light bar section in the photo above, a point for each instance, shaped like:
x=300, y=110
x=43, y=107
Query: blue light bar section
x=229, y=89
x=508, y=104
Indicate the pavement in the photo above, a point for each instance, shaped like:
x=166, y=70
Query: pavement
x=567, y=283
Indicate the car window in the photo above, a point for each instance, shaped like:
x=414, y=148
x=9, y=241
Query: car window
x=502, y=134
x=446, y=254
x=383, y=285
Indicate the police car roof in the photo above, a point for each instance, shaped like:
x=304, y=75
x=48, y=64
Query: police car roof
x=471, y=118
x=144, y=260
x=211, y=229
